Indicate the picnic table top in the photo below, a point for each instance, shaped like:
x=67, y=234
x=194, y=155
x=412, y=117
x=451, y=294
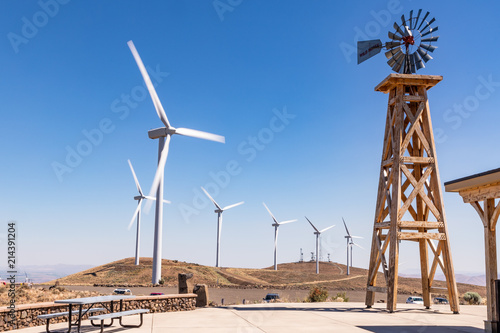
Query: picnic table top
x=95, y=299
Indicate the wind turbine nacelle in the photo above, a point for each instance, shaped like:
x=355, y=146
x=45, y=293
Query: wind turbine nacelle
x=138, y=197
x=275, y=224
x=160, y=132
x=218, y=211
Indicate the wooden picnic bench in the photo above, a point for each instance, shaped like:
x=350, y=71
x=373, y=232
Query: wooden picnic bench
x=49, y=316
x=119, y=315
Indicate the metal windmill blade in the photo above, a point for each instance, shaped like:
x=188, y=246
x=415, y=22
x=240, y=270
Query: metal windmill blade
x=408, y=49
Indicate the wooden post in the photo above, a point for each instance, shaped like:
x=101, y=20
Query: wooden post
x=409, y=201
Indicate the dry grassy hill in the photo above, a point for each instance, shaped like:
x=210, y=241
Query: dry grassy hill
x=289, y=276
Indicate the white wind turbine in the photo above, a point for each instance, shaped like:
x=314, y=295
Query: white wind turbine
x=350, y=243
x=219, y=211
x=137, y=212
x=276, y=224
x=163, y=134
x=318, y=233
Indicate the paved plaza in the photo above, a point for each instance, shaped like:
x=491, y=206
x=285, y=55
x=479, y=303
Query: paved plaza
x=301, y=317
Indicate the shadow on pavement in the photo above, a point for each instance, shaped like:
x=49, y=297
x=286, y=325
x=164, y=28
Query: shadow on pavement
x=421, y=329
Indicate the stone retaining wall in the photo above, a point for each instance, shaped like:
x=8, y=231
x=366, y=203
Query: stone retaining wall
x=26, y=314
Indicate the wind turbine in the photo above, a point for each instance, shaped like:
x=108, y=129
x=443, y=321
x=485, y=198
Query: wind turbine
x=350, y=243
x=318, y=233
x=219, y=211
x=137, y=212
x=163, y=135
x=276, y=224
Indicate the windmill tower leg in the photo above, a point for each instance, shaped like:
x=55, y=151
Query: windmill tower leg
x=138, y=236
x=409, y=201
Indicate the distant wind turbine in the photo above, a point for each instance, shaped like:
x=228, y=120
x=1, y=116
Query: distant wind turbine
x=318, y=233
x=163, y=134
x=276, y=225
x=219, y=211
x=137, y=213
x=350, y=243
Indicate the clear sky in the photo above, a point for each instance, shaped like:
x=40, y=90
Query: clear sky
x=278, y=79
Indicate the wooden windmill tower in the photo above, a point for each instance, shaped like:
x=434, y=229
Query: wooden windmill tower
x=409, y=203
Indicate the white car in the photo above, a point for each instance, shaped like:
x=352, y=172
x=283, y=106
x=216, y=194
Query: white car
x=122, y=291
x=414, y=300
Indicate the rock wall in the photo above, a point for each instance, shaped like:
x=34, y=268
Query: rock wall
x=26, y=314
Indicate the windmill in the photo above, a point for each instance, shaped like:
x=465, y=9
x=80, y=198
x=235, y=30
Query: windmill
x=163, y=134
x=317, y=233
x=219, y=211
x=409, y=46
x=350, y=243
x=276, y=225
x=137, y=212
x=409, y=204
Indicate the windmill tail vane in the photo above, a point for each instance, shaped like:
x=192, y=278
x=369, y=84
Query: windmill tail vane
x=407, y=51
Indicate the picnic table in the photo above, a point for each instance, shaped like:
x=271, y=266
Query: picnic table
x=90, y=302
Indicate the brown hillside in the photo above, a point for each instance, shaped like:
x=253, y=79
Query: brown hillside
x=288, y=276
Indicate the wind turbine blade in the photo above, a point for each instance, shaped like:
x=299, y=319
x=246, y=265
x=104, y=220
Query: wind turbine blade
x=428, y=47
x=418, y=16
x=167, y=201
x=285, y=222
x=149, y=198
x=210, y=197
x=149, y=85
x=358, y=237
x=159, y=172
x=431, y=30
x=311, y=224
x=430, y=39
x=394, y=36
x=411, y=19
x=135, y=178
x=200, y=135
x=274, y=219
x=347, y=230
x=234, y=205
x=424, y=55
x=423, y=20
x=137, y=210
x=358, y=246
x=327, y=228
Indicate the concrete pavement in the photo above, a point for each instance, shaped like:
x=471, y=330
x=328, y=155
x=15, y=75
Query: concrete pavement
x=301, y=317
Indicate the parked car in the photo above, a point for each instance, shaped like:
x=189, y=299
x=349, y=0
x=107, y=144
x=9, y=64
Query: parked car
x=156, y=294
x=414, y=300
x=122, y=291
x=271, y=298
x=440, y=300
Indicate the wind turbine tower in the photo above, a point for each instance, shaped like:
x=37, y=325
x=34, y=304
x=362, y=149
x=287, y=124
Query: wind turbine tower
x=276, y=225
x=219, y=212
x=318, y=233
x=163, y=134
x=350, y=243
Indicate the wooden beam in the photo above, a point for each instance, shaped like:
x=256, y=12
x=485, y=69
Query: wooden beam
x=420, y=224
x=481, y=193
x=421, y=235
x=377, y=289
x=439, y=290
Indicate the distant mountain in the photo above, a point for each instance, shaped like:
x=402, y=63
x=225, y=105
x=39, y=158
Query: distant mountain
x=477, y=280
x=45, y=273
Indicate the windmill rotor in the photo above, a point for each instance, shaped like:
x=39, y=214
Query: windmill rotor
x=408, y=50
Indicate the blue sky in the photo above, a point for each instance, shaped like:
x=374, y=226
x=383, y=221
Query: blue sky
x=67, y=75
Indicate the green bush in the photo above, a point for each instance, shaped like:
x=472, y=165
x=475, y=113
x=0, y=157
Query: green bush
x=472, y=298
x=161, y=281
x=317, y=294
